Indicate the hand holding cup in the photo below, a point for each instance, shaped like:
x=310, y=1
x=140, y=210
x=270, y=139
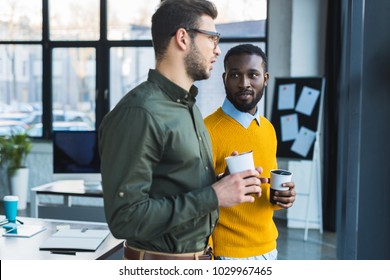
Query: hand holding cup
x=278, y=178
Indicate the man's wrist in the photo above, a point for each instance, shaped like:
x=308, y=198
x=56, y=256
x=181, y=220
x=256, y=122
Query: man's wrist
x=220, y=176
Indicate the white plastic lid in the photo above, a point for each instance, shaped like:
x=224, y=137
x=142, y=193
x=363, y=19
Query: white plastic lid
x=11, y=198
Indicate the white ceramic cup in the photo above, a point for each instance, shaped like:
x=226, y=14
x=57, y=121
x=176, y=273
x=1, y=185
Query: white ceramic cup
x=240, y=162
x=278, y=177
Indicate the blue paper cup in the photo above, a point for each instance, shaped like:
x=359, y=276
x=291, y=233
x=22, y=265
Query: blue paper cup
x=11, y=207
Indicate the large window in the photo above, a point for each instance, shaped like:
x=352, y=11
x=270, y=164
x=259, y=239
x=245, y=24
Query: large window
x=65, y=64
x=74, y=20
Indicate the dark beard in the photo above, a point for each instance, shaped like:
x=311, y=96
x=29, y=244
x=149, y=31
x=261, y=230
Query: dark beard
x=193, y=63
x=246, y=107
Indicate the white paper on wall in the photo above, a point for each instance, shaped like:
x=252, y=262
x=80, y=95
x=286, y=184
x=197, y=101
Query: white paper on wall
x=286, y=97
x=289, y=127
x=307, y=100
x=303, y=141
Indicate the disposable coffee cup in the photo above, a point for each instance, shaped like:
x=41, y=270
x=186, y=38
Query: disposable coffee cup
x=11, y=207
x=279, y=177
x=240, y=162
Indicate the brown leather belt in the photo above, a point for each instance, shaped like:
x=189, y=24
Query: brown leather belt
x=137, y=254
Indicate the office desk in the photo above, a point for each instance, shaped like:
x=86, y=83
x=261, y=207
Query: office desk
x=21, y=248
x=66, y=189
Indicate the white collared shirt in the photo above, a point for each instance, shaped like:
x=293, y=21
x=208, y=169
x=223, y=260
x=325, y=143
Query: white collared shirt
x=242, y=118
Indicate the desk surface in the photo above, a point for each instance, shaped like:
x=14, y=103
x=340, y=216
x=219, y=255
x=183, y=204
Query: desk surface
x=68, y=187
x=21, y=248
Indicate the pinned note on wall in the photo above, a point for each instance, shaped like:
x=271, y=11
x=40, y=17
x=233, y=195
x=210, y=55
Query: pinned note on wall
x=304, y=141
x=288, y=100
x=307, y=101
x=289, y=127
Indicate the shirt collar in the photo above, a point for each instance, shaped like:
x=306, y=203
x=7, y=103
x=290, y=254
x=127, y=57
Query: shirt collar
x=242, y=118
x=175, y=92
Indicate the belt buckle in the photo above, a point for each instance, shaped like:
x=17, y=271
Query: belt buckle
x=208, y=251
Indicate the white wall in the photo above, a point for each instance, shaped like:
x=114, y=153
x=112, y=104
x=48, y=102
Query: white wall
x=308, y=37
x=296, y=48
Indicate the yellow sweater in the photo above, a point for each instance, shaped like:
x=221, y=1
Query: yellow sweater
x=247, y=229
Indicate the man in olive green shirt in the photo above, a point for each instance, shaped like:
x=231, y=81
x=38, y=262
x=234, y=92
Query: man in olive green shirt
x=160, y=189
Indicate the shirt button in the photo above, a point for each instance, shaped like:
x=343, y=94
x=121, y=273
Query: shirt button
x=178, y=101
x=200, y=138
x=186, y=96
x=207, y=168
x=121, y=194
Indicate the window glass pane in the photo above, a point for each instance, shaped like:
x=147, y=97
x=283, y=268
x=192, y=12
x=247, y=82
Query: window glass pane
x=240, y=10
x=20, y=20
x=130, y=20
x=74, y=87
x=20, y=86
x=241, y=18
x=129, y=67
x=212, y=91
x=74, y=20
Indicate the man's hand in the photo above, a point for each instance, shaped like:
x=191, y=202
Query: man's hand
x=236, y=188
x=285, y=199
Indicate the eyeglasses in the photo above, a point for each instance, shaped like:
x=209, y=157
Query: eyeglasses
x=214, y=36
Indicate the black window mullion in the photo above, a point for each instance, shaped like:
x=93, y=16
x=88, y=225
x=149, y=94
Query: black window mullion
x=46, y=73
x=102, y=67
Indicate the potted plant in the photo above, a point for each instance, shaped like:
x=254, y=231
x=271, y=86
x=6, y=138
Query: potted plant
x=14, y=150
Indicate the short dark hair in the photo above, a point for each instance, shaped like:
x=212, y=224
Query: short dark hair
x=174, y=14
x=246, y=49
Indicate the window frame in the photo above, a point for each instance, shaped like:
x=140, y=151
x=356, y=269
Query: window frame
x=102, y=47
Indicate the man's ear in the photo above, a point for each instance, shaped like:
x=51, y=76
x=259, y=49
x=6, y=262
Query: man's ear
x=182, y=38
x=223, y=76
x=266, y=78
